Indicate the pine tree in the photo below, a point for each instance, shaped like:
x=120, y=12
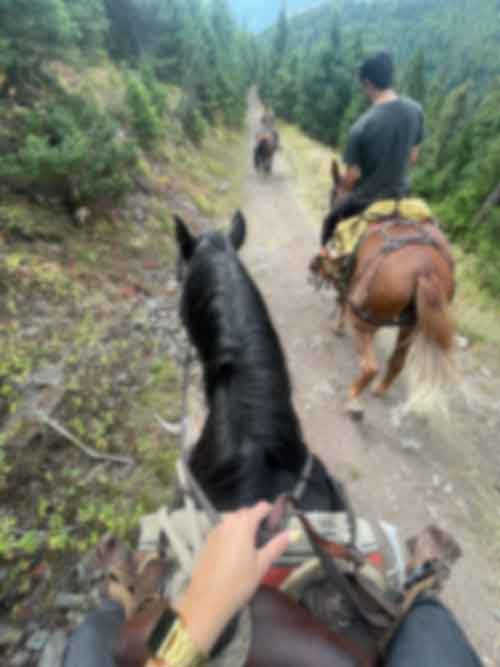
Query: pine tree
x=414, y=82
x=32, y=32
x=89, y=18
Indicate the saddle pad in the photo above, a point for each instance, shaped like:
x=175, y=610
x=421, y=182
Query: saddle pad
x=349, y=231
x=331, y=526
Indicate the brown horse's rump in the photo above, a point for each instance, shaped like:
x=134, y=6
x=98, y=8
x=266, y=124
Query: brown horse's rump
x=389, y=259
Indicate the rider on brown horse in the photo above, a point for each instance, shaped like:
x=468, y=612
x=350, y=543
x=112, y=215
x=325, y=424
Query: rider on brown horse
x=382, y=145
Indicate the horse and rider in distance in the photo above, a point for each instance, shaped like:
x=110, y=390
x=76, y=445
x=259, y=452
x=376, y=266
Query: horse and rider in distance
x=382, y=250
x=267, y=142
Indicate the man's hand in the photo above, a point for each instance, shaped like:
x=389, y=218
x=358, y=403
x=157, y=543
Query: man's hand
x=414, y=155
x=351, y=177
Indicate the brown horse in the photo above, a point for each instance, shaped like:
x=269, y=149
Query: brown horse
x=403, y=276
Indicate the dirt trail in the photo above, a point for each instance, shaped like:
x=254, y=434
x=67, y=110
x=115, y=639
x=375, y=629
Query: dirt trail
x=410, y=473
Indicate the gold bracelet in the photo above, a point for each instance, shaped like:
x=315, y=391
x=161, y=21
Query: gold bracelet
x=178, y=650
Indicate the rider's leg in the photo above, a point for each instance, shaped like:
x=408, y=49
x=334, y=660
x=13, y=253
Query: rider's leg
x=92, y=643
x=346, y=207
x=430, y=636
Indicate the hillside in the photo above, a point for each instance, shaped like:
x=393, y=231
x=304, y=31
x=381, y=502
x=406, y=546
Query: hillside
x=458, y=36
x=108, y=127
x=90, y=351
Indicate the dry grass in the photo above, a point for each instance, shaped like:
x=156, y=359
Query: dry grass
x=311, y=162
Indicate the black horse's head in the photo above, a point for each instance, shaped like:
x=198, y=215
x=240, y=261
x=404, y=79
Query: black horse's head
x=189, y=244
x=212, y=307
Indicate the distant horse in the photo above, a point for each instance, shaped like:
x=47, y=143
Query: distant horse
x=266, y=146
x=251, y=447
x=403, y=277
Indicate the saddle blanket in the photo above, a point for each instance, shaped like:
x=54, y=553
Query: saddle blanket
x=350, y=231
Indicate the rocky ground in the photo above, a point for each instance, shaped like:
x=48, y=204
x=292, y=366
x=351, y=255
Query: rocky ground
x=90, y=351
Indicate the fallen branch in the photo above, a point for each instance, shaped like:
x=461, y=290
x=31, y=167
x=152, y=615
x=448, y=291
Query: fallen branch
x=91, y=453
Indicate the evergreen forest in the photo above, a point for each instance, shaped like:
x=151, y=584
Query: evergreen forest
x=447, y=58
x=66, y=147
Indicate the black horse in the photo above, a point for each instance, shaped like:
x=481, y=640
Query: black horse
x=251, y=447
x=265, y=148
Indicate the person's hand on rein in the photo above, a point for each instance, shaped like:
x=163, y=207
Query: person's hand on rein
x=227, y=574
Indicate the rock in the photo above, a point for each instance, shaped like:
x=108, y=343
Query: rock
x=411, y=444
x=53, y=652
x=172, y=286
x=20, y=659
x=82, y=214
x=69, y=601
x=436, y=481
x=433, y=513
x=224, y=186
x=397, y=417
x=140, y=215
x=448, y=488
x=486, y=372
x=496, y=614
x=9, y=634
x=462, y=342
x=37, y=640
x=48, y=376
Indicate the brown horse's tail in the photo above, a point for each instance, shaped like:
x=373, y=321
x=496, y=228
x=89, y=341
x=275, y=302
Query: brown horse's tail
x=432, y=371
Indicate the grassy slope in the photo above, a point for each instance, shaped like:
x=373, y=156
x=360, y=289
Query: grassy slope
x=88, y=299
x=477, y=314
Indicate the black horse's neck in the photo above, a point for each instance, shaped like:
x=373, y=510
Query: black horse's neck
x=251, y=447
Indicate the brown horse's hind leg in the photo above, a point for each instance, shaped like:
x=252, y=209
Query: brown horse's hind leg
x=369, y=368
x=340, y=316
x=397, y=360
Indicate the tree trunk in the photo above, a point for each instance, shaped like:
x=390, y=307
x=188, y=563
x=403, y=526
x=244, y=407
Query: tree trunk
x=493, y=199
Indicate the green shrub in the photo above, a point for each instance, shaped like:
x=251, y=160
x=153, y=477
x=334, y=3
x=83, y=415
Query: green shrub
x=193, y=123
x=144, y=115
x=68, y=150
x=157, y=92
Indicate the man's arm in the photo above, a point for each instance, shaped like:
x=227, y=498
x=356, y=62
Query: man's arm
x=352, y=159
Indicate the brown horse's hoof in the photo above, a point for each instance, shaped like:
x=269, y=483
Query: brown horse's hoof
x=354, y=409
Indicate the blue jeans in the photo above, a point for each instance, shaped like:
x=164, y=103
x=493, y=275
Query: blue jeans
x=428, y=637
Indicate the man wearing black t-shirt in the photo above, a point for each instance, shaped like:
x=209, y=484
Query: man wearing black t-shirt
x=382, y=145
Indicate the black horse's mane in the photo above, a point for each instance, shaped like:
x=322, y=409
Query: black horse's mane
x=251, y=430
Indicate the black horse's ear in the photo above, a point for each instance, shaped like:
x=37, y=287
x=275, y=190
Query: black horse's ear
x=185, y=240
x=238, y=230
x=336, y=172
